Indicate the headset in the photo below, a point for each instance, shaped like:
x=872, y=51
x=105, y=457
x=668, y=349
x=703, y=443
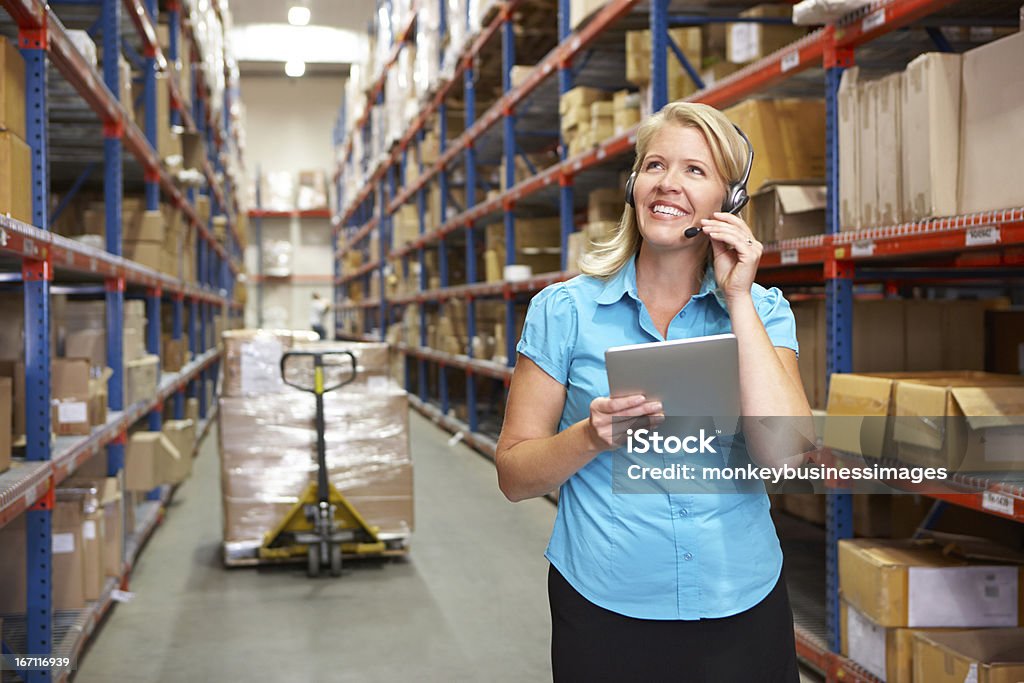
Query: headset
x=736, y=196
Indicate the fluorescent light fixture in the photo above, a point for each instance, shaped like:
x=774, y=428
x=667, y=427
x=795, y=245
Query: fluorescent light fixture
x=298, y=16
x=295, y=67
x=311, y=44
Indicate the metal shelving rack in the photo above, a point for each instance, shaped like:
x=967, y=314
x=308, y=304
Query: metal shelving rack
x=834, y=260
x=38, y=258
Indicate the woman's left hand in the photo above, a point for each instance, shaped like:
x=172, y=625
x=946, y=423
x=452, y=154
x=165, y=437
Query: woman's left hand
x=736, y=253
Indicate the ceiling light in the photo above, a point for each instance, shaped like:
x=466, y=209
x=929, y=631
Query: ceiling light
x=298, y=16
x=295, y=67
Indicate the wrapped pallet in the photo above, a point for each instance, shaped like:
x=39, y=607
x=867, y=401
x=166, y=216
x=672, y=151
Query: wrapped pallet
x=268, y=439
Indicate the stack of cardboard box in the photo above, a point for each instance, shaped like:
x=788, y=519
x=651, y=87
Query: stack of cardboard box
x=538, y=245
x=577, y=115
x=141, y=369
x=626, y=111
x=15, y=155
x=933, y=140
x=901, y=599
x=747, y=41
x=266, y=439
x=788, y=137
x=638, y=60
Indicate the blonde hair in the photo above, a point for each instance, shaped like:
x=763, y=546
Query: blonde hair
x=728, y=153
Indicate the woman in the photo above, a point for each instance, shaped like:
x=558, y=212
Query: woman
x=665, y=586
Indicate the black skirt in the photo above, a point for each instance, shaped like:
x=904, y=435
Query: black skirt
x=590, y=643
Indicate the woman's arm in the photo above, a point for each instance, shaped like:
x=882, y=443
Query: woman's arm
x=770, y=387
x=532, y=457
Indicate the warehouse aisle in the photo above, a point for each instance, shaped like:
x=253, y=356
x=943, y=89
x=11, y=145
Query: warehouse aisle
x=469, y=604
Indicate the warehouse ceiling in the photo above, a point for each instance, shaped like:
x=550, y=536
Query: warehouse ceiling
x=263, y=41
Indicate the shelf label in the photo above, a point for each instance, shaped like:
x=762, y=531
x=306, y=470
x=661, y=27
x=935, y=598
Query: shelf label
x=979, y=236
x=790, y=61
x=997, y=502
x=3, y=238
x=873, y=20
x=862, y=249
x=790, y=256
x=31, y=496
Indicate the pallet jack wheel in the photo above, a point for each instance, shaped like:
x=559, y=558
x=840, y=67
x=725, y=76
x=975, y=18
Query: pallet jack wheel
x=336, y=559
x=313, y=561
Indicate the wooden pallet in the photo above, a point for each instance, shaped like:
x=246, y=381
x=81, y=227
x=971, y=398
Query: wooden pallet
x=255, y=561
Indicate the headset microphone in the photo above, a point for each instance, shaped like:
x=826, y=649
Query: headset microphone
x=736, y=196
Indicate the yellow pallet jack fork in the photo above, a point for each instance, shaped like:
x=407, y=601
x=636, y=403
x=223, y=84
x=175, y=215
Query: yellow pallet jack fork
x=323, y=524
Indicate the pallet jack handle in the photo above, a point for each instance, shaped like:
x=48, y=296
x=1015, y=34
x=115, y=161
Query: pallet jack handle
x=318, y=390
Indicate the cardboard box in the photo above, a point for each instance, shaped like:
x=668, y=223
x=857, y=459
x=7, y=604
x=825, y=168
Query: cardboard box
x=12, y=89
x=638, y=60
x=113, y=526
x=991, y=137
x=15, y=177
x=782, y=211
x=848, y=99
x=151, y=227
x=15, y=370
x=181, y=433
x=149, y=254
x=173, y=353
x=148, y=457
x=748, y=42
x=867, y=105
x=582, y=9
x=930, y=119
x=192, y=409
x=6, y=412
x=70, y=396
x=984, y=656
x=68, y=556
x=888, y=155
x=1004, y=341
x=789, y=136
x=886, y=653
x=193, y=150
x=580, y=97
x=967, y=422
x=88, y=343
x=99, y=397
x=13, y=566
x=141, y=378
x=895, y=584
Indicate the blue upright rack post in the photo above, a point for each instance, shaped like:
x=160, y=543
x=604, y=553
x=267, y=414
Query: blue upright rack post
x=421, y=211
x=471, y=274
x=112, y=191
x=177, y=332
x=442, y=186
x=565, y=191
x=839, y=331
x=36, y=277
x=659, y=54
x=508, y=60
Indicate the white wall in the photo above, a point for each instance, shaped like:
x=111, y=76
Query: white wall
x=288, y=124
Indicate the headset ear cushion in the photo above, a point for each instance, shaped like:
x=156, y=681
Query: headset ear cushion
x=629, y=189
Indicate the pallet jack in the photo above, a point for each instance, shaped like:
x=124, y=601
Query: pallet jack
x=323, y=525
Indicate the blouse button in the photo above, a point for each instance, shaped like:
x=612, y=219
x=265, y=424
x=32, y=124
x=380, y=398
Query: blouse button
x=687, y=557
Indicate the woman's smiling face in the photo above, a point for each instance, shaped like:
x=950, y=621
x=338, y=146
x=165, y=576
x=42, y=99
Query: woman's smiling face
x=676, y=186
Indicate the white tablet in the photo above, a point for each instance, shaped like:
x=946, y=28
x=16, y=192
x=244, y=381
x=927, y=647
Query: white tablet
x=696, y=377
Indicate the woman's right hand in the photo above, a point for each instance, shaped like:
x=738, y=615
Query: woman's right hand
x=605, y=426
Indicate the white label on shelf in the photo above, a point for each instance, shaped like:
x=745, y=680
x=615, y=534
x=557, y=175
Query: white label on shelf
x=862, y=249
x=601, y=152
x=31, y=496
x=790, y=61
x=978, y=236
x=89, y=530
x=70, y=257
x=72, y=412
x=3, y=238
x=575, y=45
x=118, y=595
x=873, y=20
x=997, y=502
x=92, y=264
x=790, y=256
x=972, y=673
x=63, y=543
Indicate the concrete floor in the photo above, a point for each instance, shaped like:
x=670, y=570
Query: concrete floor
x=469, y=603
